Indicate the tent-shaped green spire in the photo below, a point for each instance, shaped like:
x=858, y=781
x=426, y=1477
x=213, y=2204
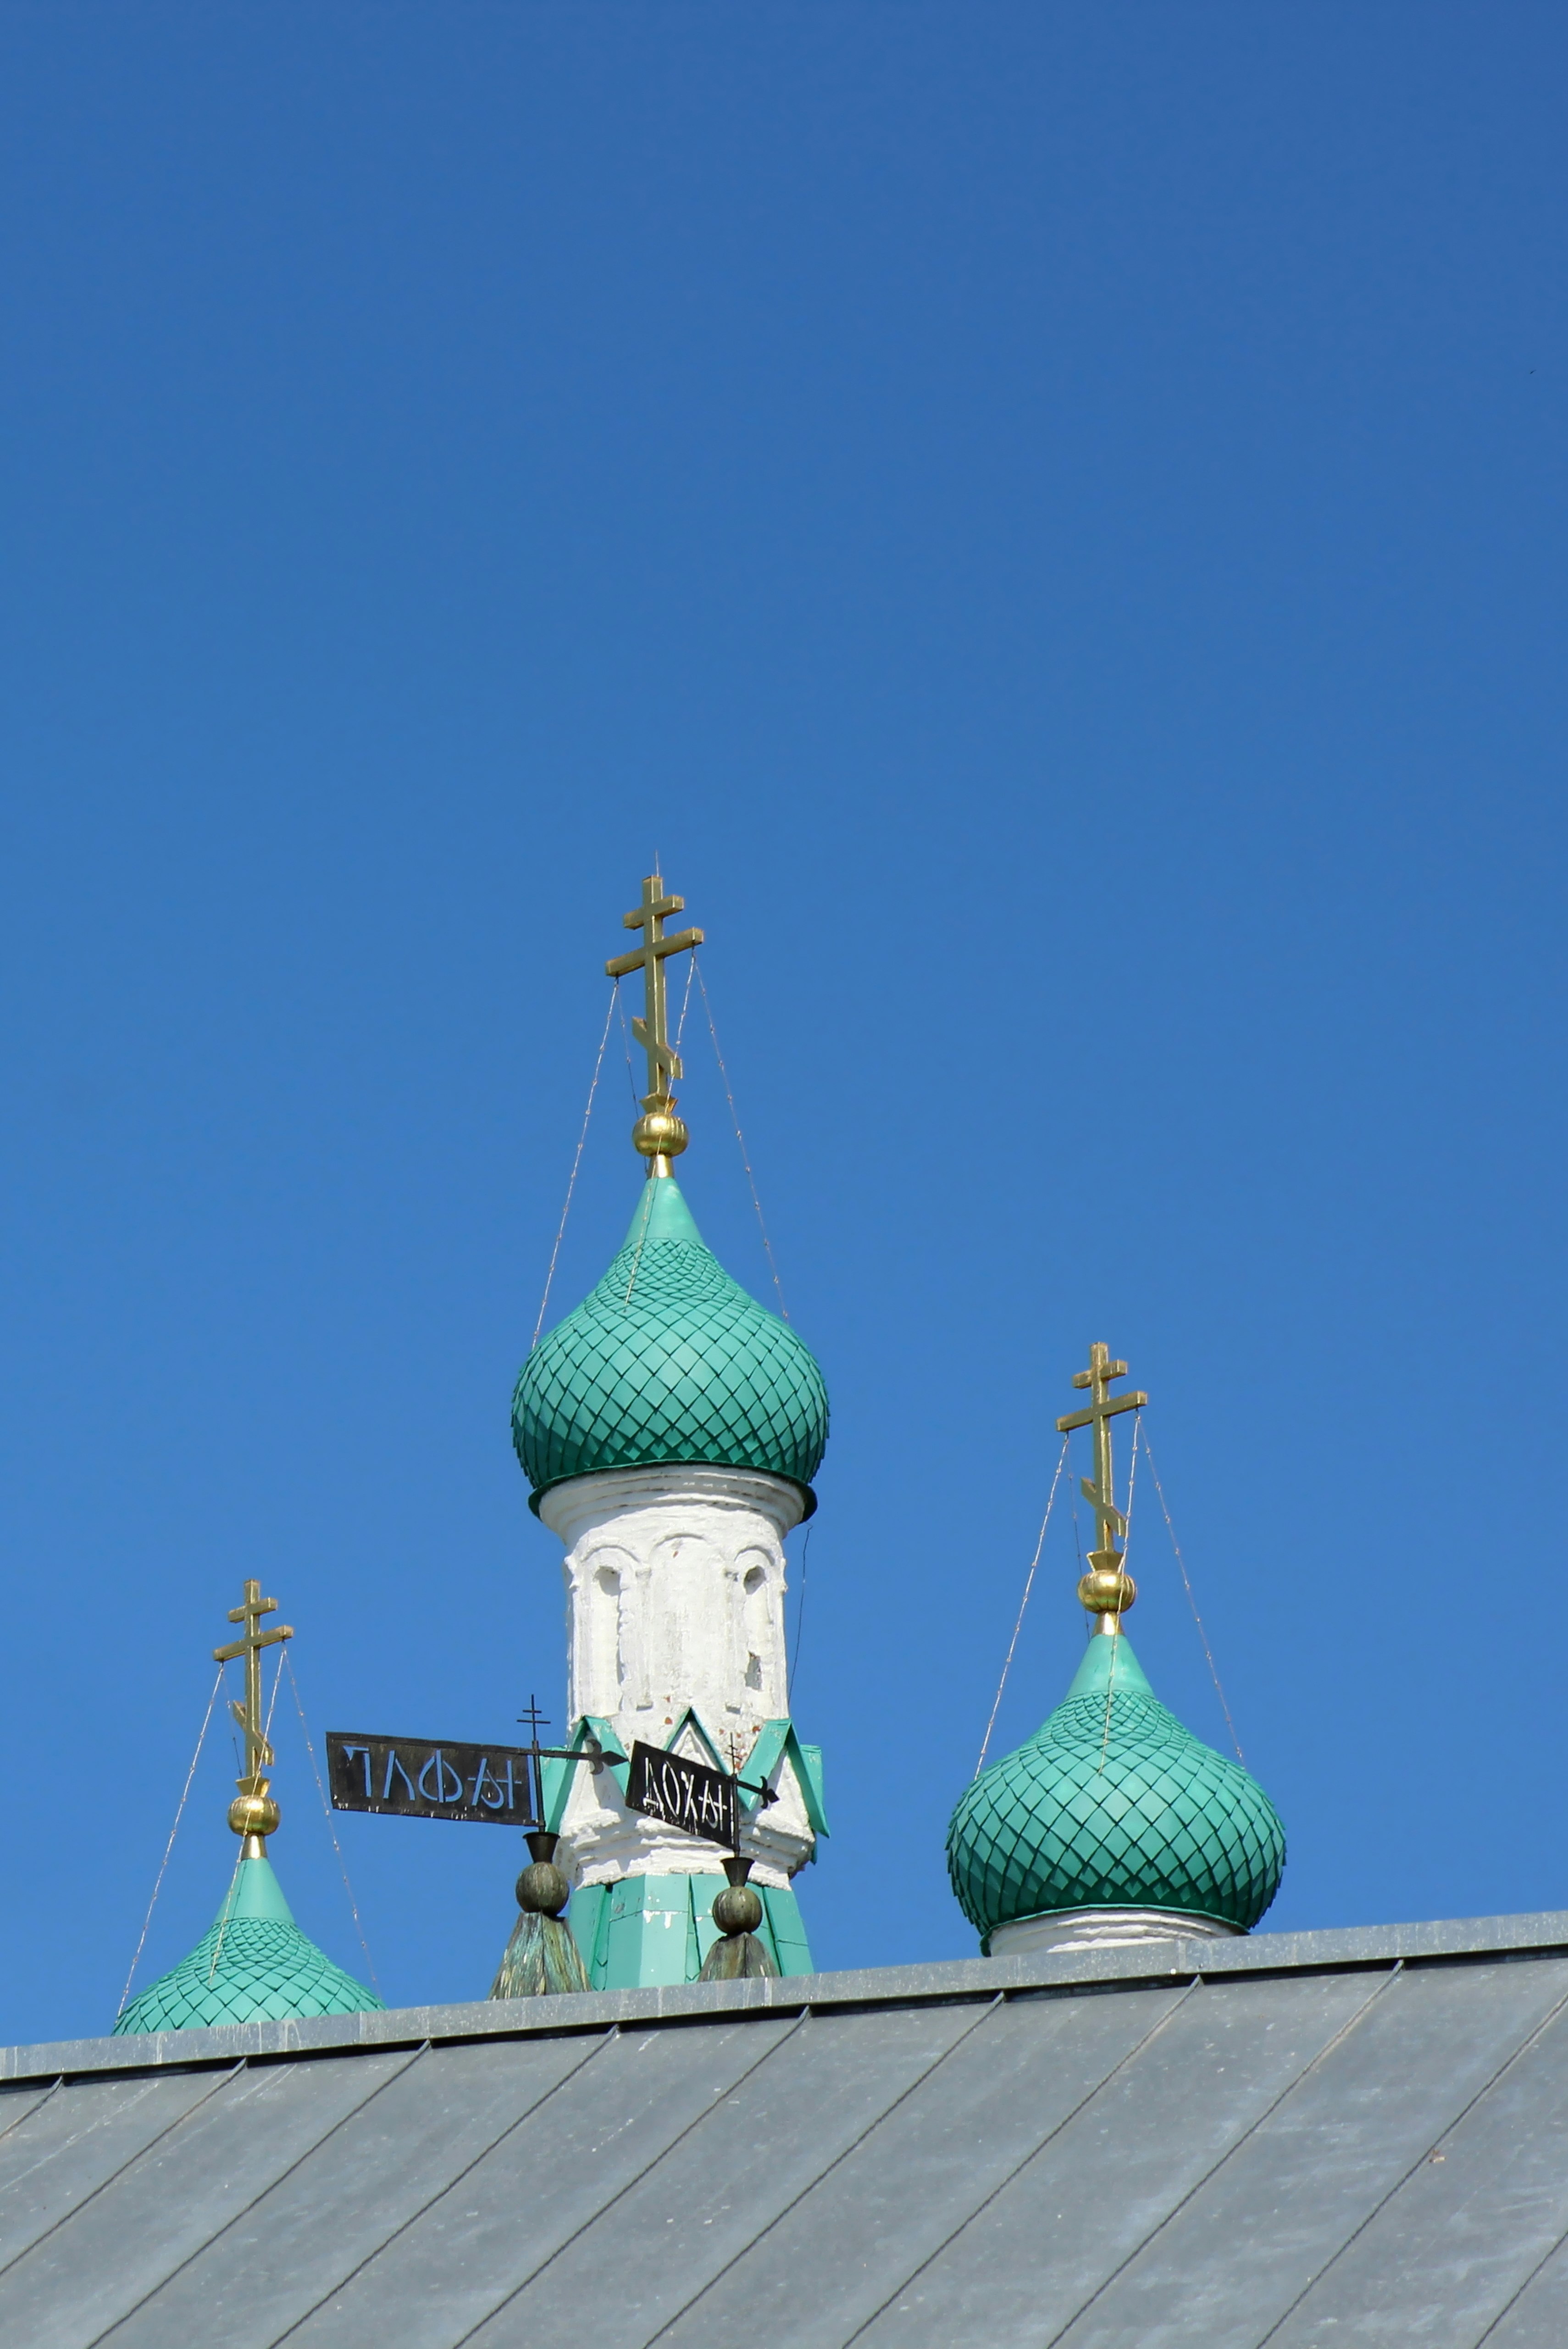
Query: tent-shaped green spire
x=669, y=1361
x=253, y=1965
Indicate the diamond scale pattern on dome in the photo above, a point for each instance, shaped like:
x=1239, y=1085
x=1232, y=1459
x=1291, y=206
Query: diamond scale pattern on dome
x=246, y=1969
x=668, y=1359
x=1113, y=1803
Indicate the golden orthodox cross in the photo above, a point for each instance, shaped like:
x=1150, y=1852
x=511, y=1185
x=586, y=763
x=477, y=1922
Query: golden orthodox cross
x=652, y=1031
x=1099, y=1490
x=258, y=1752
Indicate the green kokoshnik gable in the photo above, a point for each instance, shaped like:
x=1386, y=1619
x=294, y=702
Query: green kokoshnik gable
x=1113, y=1805
x=669, y=1361
x=254, y=1965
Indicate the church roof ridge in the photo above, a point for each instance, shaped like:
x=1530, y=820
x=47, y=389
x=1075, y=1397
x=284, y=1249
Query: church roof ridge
x=1323, y=1950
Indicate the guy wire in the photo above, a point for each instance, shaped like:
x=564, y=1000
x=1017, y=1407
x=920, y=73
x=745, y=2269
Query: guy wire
x=277, y=1676
x=190, y=1774
x=1028, y=1586
x=626, y=1047
x=1126, y=1545
x=800, y=1611
x=331, y=1831
x=1131, y=1481
x=576, y=1163
x=647, y=1198
x=686, y=999
x=641, y=1235
x=1187, y=1587
x=223, y=1921
x=740, y=1138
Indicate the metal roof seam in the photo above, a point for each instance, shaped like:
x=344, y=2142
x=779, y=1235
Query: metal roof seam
x=1235, y=2147
x=414, y=2216
x=679, y=2138
x=235, y=2216
x=1514, y=2297
x=872, y=2126
x=37, y=2102
x=1467, y=2106
x=118, y=2171
x=1019, y=2167
x=958, y=2200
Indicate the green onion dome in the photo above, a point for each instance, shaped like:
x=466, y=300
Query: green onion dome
x=1112, y=1803
x=253, y=1965
x=669, y=1361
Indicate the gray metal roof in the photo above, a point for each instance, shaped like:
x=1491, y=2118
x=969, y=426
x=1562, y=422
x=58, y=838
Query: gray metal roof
x=1298, y=2139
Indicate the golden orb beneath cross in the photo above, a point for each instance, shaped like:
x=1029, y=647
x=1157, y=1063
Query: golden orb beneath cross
x=659, y=1133
x=1107, y=1591
x=255, y=1814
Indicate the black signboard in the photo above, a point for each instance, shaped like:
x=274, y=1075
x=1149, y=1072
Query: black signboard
x=431, y=1779
x=427, y=1778
x=684, y=1794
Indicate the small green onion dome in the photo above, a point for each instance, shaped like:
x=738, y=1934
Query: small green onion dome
x=1112, y=1803
x=253, y=1965
x=669, y=1361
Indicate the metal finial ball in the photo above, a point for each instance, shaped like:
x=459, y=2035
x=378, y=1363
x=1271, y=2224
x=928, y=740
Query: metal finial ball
x=737, y=1910
x=659, y=1133
x=1107, y=1591
x=542, y=1890
x=253, y=1815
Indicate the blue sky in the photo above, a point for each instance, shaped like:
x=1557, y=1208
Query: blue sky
x=1050, y=523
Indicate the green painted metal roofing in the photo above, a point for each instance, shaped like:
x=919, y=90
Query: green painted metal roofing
x=253, y=1964
x=1112, y=1803
x=658, y=1929
x=775, y=1741
x=668, y=1360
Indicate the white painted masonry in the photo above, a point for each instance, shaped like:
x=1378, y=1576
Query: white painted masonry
x=1100, y=1929
x=675, y=1598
